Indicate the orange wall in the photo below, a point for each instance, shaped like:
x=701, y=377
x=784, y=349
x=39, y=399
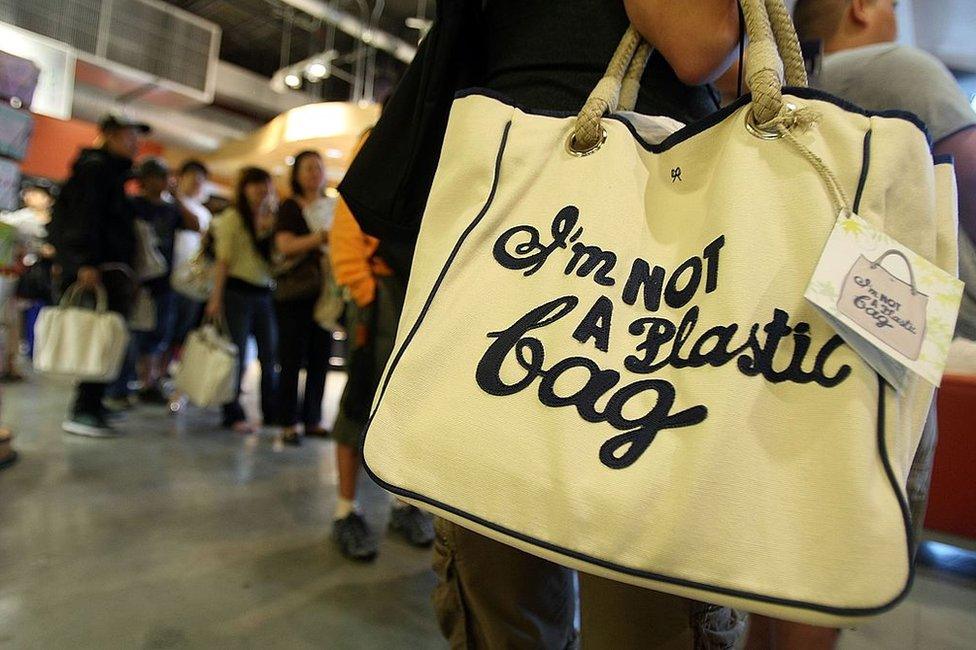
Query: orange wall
x=55, y=145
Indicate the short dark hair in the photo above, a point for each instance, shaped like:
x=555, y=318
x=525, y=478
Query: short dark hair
x=818, y=20
x=194, y=166
x=296, y=187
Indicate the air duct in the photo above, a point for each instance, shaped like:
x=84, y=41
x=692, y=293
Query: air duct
x=356, y=27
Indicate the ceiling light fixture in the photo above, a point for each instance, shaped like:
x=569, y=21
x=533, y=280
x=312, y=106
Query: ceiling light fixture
x=317, y=70
x=292, y=80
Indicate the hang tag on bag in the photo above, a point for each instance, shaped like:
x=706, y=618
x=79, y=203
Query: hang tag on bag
x=891, y=305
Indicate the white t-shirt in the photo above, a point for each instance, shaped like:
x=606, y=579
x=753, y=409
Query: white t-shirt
x=187, y=241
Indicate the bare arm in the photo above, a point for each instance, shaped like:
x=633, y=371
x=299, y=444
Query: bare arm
x=697, y=39
x=289, y=244
x=962, y=147
x=215, y=306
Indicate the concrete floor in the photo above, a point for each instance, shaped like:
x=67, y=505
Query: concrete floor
x=180, y=535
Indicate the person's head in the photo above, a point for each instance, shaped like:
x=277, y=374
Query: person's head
x=254, y=187
x=121, y=136
x=192, y=177
x=308, y=174
x=37, y=197
x=153, y=175
x=844, y=24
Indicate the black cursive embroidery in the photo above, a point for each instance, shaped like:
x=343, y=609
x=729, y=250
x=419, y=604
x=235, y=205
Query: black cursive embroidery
x=515, y=358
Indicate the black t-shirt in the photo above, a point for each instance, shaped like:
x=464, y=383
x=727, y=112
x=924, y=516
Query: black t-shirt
x=165, y=218
x=548, y=55
x=291, y=219
x=539, y=53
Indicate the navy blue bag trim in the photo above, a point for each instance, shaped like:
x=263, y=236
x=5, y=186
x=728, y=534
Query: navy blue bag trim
x=797, y=604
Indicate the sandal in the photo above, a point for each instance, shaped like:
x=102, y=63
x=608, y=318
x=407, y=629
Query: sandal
x=291, y=437
x=317, y=432
x=242, y=427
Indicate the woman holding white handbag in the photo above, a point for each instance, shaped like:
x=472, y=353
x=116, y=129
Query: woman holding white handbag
x=242, y=286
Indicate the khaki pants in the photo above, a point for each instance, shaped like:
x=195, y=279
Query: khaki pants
x=490, y=595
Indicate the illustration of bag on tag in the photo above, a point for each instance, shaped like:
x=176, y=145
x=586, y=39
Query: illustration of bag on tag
x=884, y=305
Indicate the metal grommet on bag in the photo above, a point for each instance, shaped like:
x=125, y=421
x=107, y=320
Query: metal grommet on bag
x=789, y=120
x=574, y=149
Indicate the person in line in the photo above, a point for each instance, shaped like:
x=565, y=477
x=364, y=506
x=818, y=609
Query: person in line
x=491, y=595
x=301, y=233
x=167, y=216
x=377, y=299
x=243, y=240
x=92, y=231
x=34, y=289
x=190, y=193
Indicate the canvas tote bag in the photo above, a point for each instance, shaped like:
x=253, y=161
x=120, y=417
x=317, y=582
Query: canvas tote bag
x=85, y=344
x=207, y=374
x=605, y=357
x=194, y=278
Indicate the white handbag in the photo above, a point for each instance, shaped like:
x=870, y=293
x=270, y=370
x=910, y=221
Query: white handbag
x=331, y=303
x=605, y=357
x=194, y=278
x=149, y=262
x=74, y=341
x=208, y=368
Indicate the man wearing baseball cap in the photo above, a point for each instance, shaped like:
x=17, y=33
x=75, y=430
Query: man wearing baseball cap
x=92, y=231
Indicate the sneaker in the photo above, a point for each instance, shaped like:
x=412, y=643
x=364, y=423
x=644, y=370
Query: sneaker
x=92, y=426
x=153, y=395
x=414, y=525
x=354, y=538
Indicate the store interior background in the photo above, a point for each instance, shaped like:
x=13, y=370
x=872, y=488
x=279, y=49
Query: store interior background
x=177, y=538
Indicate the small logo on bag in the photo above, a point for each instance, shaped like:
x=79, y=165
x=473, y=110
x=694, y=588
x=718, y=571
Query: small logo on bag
x=676, y=174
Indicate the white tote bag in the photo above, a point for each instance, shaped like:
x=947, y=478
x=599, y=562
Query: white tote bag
x=150, y=263
x=74, y=341
x=194, y=278
x=606, y=359
x=207, y=374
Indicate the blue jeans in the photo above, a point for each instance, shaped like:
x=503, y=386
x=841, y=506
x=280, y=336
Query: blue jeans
x=158, y=340
x=250, y=312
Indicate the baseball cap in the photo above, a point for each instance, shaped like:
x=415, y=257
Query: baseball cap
x=116, y=121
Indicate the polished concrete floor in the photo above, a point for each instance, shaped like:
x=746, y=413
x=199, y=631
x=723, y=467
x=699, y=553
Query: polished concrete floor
x=180, y=535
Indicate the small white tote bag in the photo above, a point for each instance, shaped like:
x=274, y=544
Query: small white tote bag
x=606, y=359
x=207, y=374
x=150, y=263
x=74, y=341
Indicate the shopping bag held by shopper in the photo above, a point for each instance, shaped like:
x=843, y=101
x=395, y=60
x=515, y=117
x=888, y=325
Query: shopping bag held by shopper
x=207, y=374
x=79, y=342
x=606, y=357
